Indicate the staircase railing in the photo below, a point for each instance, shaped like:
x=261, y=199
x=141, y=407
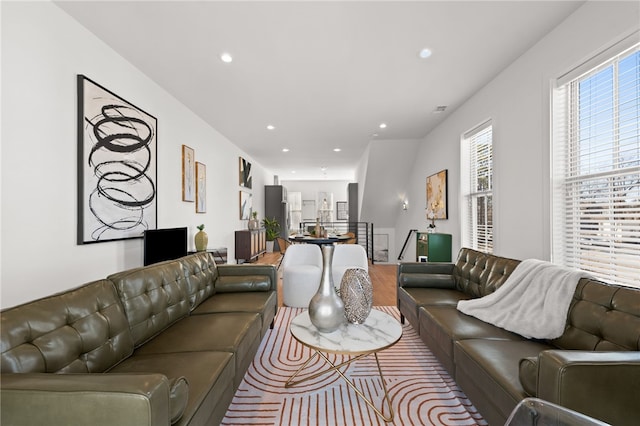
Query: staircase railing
x=362, y=230
x=406, y=241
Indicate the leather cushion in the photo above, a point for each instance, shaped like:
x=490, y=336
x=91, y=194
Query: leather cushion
x=435, y=296
x=528, y=375
x=83, y=330
x=445, y=325
x=200, y=273
x=242, y=283
x=178, y=397
x=209, y=374
x=478, y=274
x=602, y=317
x=230, y=332
x=153, y=297
x=264, y=303
x=426, y=280
x=493, y=366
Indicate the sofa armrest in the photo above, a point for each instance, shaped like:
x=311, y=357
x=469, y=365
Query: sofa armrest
x=96, y=399
x=249, y=269
x=426, y=274
x=604, y=385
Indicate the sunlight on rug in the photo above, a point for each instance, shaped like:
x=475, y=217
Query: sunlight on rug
x=422, y=392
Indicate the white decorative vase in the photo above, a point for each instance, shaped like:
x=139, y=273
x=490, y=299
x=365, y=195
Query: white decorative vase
x=326, y=309
x=356, y=291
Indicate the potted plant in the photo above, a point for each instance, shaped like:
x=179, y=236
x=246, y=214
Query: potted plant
x=254, y=223
x=272, y=231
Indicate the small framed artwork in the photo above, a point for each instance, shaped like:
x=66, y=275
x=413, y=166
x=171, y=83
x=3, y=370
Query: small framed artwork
x=245, y=173
x=188, y=174
x=437, y=206
x=245, y=205
x=201, y=188
x=381, y=247
x=117, y=166
x=342, y=212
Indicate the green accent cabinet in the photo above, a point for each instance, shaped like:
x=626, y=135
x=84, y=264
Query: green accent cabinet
x=433, y=247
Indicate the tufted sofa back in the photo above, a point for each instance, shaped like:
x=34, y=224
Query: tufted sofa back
x=83, y=330
x=478, y=274
x=153, y=297
x=200, y=272
x=602, y=317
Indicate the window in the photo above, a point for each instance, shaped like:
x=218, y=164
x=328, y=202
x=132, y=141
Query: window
x=596, y=168
x=477, y=187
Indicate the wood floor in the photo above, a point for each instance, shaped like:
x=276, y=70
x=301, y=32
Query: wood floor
x=383, y=278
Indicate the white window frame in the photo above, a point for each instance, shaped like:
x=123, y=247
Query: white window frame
x=477, y=231
x=599, y=232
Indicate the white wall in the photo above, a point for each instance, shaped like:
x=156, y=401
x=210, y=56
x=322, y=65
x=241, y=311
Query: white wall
x=518, y=102
x=43, y=50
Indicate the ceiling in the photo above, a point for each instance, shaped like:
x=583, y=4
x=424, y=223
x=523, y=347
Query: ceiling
x=326, y=74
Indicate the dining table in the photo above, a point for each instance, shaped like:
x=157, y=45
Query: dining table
x=310, y=239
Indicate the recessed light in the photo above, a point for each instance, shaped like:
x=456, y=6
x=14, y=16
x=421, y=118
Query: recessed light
x=293, y=171
x=324, y=169
x=271, y=127
x=226, y=57
x=336, y=150
x=383, y=125
x=285, y=149
x=425, y=53
x=374, y=135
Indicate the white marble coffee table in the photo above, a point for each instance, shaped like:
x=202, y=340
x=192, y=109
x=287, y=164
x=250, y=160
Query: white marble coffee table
x=378, y=332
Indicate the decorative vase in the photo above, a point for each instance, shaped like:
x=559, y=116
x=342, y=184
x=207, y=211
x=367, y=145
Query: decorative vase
x=326, y=309
x=201, y=240
x=254, y=223
x=356, y=291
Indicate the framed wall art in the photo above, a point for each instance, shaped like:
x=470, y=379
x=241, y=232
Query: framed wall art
x=201, y=188
x=437, y=206
x=188, y=174
x=381, y=247
x=117, y=166
x=245, y=173
x=245, y=205
x=342, y=211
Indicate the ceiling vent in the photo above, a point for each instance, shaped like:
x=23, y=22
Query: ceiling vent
x=439, y=109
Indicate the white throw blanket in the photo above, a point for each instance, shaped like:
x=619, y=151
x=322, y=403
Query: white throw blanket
x=533, y=301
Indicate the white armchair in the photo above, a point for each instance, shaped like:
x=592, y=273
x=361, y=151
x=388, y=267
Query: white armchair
x=301, y=274
x=347, y=256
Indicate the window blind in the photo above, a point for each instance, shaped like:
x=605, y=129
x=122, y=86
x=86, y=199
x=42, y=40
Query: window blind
x=596, y=170
x=478, y=187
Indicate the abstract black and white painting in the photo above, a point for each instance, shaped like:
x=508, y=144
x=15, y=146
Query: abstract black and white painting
x=117, y=144
x=245, y=173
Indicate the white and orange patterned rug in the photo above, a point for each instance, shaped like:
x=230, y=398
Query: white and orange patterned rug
x=421, y=390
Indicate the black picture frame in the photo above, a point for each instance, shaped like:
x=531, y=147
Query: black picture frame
x=117, y=166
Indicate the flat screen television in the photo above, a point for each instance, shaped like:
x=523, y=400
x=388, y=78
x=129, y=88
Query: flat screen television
x=164, y=244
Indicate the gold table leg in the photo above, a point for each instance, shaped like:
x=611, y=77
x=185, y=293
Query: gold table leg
x=290, y=383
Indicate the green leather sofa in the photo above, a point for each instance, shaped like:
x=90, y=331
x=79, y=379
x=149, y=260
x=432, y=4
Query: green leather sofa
x=593, y=368
x=164, y=344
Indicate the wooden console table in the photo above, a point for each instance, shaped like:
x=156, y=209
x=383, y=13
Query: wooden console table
x=250, y=243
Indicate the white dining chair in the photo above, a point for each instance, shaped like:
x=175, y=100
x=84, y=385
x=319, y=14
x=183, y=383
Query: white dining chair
x=346, y=256
x=301, y=274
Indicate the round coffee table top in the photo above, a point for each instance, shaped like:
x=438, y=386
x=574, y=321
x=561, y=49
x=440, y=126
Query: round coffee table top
x=379, y=331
